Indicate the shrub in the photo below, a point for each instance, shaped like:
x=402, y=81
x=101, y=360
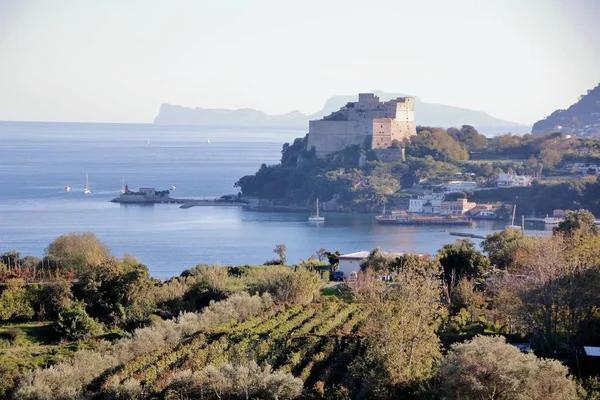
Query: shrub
x=287, y=285
x=247, y=380
x=12, y=334
x=73, y=323
x=488, y=367
x=15, y=301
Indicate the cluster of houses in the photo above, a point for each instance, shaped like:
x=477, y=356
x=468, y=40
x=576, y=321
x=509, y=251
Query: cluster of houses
x=583, y=168
x=504, y=180
x=512, y=180
x=435, y=203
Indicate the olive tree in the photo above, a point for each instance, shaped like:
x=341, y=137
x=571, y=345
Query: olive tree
x=489, y=368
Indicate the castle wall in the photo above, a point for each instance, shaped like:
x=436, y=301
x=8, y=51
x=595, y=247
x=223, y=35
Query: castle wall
x=382, y=133
x=389, y=155
x=331, y=136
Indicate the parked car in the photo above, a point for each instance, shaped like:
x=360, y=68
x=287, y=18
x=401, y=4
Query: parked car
x=337, y=276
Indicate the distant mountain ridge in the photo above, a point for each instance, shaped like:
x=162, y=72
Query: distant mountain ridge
x=580, y=119
x=427, y=114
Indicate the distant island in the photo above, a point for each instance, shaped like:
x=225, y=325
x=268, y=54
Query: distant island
x=580, y=119
x=429, y=114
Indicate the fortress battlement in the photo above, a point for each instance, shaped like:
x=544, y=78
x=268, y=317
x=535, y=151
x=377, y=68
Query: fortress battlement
x=368, y=122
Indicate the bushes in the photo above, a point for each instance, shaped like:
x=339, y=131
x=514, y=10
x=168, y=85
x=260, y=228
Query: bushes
x=13, y=335
x=488, y=367
x=15, y=301
x=73, y=323
x=237, y=381
x=286, y=285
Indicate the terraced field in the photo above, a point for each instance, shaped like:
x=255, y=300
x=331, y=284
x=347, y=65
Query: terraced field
x=314, y=342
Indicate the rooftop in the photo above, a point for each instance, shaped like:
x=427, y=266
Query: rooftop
x=592, y=351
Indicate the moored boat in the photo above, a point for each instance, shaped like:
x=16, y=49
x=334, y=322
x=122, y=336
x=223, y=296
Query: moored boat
x=87, y=189
x=316, y=217
x=403, y=218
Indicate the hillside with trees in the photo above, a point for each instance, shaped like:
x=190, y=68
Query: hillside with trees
x=355, y=180
x=580, y=119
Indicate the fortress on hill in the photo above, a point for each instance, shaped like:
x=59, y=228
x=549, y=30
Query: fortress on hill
x=368, y=122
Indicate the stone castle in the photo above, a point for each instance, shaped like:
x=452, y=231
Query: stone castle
x=368, y=123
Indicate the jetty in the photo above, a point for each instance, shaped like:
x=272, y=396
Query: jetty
x=466, y=234
x=152, y=196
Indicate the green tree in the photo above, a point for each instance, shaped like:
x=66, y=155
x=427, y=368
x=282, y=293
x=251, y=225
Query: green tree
x=469, y=138
x=52, y=297
x=118, y=293
x=73, y=323
x=489, y=368
x=15, y=301
x=581, y=220
x=461, y=260
x=502, y=247
x=78, y=251
x=377, y=260
x=400, y=341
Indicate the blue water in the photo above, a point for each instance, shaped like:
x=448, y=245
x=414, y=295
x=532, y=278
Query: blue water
x=37, y=160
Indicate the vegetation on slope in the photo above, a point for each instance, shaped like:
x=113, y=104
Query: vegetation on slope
x=434, y=155
x=206, y=336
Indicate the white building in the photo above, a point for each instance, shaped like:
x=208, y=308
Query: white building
x=427, y=203
x=506, y=180
x=350, y=263
x=459, y=186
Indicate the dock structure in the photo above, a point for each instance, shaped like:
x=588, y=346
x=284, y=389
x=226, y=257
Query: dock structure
x=152, y=196
x=469, y=235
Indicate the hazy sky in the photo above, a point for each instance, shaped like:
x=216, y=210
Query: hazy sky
x=118, y=60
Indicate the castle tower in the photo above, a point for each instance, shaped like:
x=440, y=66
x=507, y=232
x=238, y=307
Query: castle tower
x=367, y=123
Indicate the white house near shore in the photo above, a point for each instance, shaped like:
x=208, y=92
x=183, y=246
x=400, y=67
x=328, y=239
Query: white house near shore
x=426, y=203
x=349, y=263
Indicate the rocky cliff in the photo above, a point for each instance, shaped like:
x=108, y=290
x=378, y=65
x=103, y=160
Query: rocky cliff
x=426, y=114
x=581, y=119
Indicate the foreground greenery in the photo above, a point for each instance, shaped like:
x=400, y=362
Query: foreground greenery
x=89, y=325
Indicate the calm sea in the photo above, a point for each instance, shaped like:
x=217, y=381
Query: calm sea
x=37, y=160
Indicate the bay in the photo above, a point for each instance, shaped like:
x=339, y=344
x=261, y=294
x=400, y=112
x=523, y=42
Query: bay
x=37, y=160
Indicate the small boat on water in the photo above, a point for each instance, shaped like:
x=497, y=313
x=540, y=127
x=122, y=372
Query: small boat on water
x=316, y=217
x=172, y=188
x=123, y=187
x=87, y=185
x=67, y=188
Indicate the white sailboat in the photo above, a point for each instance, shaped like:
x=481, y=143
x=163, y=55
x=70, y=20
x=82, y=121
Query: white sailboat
x=87, y=185
x=316, y=217
x=67, y=188
x=123, y=186
x=512, y=224
x=208, y=140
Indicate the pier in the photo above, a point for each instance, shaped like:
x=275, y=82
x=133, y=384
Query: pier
x=466, y=234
